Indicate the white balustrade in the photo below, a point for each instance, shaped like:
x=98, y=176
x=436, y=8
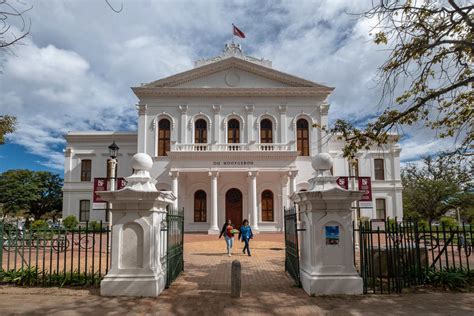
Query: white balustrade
x=237, y=147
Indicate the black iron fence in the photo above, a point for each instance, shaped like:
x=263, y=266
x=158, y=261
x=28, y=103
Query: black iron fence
x=394, y=255
x=292, y=263
x=175, y=242
x=54, y=256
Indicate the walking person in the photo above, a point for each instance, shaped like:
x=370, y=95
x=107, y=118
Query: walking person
x=228, y=232
x=246, y=234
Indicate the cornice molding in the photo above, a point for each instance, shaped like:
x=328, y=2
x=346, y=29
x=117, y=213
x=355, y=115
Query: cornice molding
x=233, y=92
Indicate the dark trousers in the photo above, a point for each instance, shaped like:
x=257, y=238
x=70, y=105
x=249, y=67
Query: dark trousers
x=246, y=241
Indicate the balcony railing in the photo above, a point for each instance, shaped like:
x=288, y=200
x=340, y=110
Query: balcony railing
x=250, y=147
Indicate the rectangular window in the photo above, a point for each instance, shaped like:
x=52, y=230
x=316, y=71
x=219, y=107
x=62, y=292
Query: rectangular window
x=84, y=210
x=380, y=211
x=379, y=173
x=86, y=167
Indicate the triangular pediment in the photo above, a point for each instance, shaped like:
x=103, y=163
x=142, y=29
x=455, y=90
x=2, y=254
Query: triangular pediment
x=233, y=73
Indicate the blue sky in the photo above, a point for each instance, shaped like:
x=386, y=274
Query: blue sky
x=74, y=71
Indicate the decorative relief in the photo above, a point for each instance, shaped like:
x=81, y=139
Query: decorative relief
x=324, y=108
x=159, y=117
x=216, y=108
x=183, y=109
x=249, y=108
x=232, y=79
x=141, y=108
x=282, y=109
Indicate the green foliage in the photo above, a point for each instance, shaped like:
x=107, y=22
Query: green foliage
x=39, y=224
x=32, y=276
x=441, y=184
x=70, y=222
x=35, y=192
x=431, y=48
x=448, y=222
x=449, y=278
x=7, y=126
x=95, y=226
x=423, y=225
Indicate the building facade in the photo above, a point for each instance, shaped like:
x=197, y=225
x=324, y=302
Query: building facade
x=232, y=138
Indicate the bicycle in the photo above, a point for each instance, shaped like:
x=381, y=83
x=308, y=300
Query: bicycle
x=62, y=243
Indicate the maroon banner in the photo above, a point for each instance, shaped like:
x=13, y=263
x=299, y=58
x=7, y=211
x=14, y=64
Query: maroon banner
x=121, y=183
x=343, y=182
x=366, y=186
x=100, y=184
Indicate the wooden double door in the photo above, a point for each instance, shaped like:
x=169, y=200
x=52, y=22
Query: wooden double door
x=233, y=207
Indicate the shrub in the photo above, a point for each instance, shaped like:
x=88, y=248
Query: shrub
x=423, y=225
x=448, y=278
x=70, y=222
x=95, y=226
x=39, y=224
x=448, y=222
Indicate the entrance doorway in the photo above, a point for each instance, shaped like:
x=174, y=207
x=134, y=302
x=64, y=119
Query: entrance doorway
x=233, y=207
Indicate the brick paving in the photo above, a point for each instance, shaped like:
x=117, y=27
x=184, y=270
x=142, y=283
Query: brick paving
x=204, y=289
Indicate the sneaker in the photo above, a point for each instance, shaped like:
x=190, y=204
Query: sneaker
x=243, y=251
x=229, y=254
x=250, y=255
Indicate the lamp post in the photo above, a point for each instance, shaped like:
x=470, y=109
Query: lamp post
x=111, y=173
x=112, y=164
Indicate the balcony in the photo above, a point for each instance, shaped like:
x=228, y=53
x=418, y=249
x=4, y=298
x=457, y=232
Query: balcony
x=235, y=147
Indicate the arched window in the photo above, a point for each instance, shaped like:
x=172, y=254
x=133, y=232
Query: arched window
x=266, y=131
x=200, y=132
x=164, y=137
x=302, y=137
x=200, y=206
x=267, y=206
x=233, y=131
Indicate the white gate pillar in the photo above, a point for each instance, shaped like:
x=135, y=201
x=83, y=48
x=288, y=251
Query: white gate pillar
x=138, y=211
x=327, y=250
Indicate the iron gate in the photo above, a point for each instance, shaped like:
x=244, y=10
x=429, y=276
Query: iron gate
x=174, y=244
x=292, y=263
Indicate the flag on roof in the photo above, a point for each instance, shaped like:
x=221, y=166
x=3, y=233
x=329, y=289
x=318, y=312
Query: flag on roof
x=238, y=32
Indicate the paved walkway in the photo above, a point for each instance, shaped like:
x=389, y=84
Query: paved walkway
x=203, y=289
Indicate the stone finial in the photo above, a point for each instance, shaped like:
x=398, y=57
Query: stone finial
x=142, y=161
x=140, y=180
x=322, y=162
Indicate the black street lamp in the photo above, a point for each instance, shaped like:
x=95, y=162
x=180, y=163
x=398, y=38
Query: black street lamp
x=113, y=150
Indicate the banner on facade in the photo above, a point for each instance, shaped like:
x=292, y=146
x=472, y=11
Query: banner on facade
x=100, y=184
x=343, y=182
x=366, y=186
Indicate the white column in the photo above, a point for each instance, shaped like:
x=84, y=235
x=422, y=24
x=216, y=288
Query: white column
x=183, y=109
x=174, y=174
x=250, y=123
x=253, y=200
x=292, y=175
x=142, y=130
x=217, y=123
x=214, y=229
x=283, y=125
x=285, y=201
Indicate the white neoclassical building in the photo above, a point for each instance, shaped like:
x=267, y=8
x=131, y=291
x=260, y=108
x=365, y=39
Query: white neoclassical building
x=232, y=138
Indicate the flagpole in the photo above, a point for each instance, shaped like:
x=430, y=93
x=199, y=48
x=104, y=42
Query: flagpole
x=233, y=36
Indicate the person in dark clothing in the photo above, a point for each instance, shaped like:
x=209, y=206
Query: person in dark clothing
x=228, y=232
x=245, y=235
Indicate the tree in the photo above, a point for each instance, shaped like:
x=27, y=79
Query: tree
x=12, y=12
x=7, y=126
x=441, y=184
x=35, y=192
x=432, y=49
